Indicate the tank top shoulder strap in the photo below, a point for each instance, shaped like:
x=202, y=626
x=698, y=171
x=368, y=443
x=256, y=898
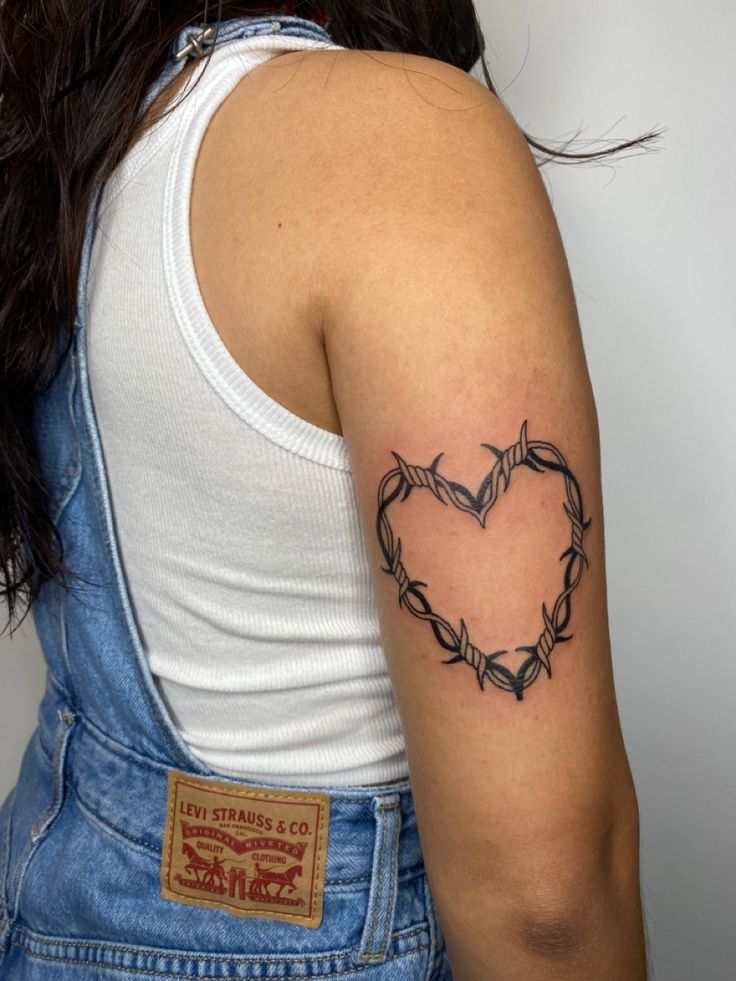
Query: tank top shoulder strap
x=224, y=374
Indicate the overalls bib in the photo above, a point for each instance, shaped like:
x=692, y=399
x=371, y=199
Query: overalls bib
x=122, y=855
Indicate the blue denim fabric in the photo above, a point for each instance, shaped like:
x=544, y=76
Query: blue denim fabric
x=81, y=833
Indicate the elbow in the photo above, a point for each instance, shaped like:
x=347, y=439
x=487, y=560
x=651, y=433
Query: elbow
x=582, y=891
x=559, y=927
x=553, y=896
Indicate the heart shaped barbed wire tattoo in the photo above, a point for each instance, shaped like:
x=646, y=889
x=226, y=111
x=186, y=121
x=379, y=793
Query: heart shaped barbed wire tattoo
x=539, y=456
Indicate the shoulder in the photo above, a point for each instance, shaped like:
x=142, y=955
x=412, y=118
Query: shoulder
x=387, y=144
x=394, y=96
x=416, y=170
x=388, y=165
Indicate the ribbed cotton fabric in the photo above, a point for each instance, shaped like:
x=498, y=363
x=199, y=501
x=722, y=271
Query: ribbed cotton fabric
x=237, y=520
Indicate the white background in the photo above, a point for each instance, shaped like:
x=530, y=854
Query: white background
x=650, y=245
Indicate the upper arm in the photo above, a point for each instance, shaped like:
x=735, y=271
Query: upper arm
x=461, y=384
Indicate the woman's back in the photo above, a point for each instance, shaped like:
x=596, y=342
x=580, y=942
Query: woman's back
x=236, y=514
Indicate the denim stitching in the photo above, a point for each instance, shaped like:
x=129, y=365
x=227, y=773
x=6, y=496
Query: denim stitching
x=380, y=955
x=379, y=893
x=390, y=914
x=405, y=875
x=193, y=977
x=393, y=866
x=189, y=954
x=210, y=960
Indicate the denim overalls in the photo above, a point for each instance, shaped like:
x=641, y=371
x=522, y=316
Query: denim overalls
x=122, y=855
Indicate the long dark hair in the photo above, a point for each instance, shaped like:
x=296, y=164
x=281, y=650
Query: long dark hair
x=73, y=74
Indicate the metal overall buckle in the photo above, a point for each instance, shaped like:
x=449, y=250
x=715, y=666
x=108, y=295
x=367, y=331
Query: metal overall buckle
x=195, y=43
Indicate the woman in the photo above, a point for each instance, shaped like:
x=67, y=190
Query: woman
x=286, y=323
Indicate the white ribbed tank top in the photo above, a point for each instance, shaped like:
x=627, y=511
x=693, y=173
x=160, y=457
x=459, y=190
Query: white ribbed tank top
x=237, y=520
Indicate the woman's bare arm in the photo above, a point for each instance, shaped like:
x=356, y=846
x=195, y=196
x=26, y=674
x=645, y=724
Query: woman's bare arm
x=461, y=383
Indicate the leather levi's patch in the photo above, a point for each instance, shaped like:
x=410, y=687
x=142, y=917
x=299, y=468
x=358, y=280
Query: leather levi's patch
x=253, y=851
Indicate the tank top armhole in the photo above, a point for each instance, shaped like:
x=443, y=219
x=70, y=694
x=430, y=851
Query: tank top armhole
x=246, y=399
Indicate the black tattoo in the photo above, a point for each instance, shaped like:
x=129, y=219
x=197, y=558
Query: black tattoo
x=539, y=456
